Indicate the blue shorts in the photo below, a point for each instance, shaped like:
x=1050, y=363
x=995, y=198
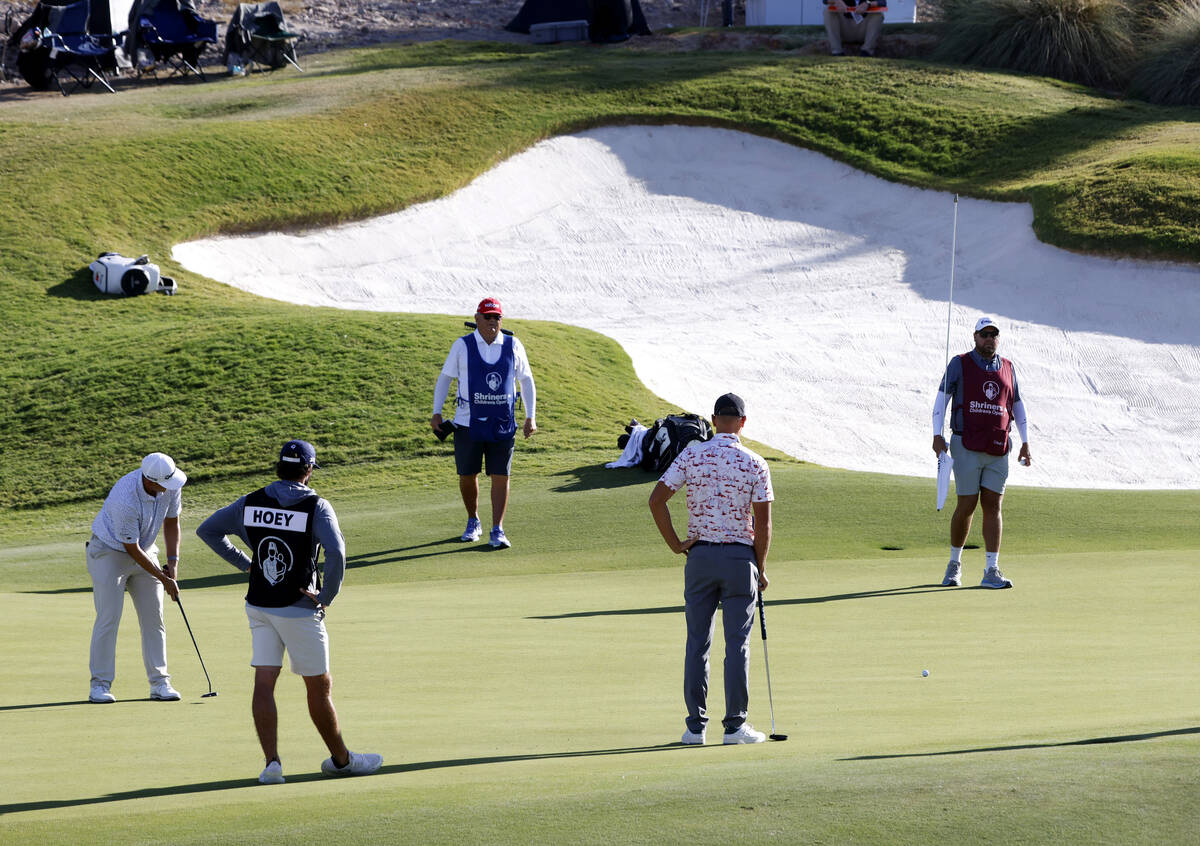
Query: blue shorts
x=469, y=454
x=973, y=470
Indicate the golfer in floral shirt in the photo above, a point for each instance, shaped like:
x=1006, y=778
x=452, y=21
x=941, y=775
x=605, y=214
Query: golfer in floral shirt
x=729, y=533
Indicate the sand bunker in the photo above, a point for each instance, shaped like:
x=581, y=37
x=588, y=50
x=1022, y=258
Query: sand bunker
x=722, y=261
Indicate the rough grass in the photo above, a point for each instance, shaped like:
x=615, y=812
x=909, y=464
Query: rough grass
x=1085, y=41
x=1168, y=71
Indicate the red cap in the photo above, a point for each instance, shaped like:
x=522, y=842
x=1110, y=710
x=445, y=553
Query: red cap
x=489, y=305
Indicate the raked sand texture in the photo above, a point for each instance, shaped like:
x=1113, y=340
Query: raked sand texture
x=722, y=261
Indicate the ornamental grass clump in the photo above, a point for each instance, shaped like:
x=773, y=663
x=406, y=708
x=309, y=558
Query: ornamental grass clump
x=1168, y=68
x=1085, y=41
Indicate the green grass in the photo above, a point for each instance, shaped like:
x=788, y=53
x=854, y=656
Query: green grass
x=524, y=696
x=529, y=696
x=216, y=376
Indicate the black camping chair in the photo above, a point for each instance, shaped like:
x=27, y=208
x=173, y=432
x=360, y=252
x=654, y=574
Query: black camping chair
x=59, y=49
x=257, y=34
x=173, y=33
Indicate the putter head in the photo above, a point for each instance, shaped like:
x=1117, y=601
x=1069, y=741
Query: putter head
x=214, y=693
x=778, y=736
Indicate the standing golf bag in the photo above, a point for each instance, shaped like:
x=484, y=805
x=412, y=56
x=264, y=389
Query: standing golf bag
x=667, y=438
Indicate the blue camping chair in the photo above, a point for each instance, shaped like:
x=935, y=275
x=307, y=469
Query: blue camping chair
x=64, y=51
x=173, y=33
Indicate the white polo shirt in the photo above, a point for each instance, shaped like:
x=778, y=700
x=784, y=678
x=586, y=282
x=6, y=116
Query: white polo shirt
x=458, y=366
x=130, y=515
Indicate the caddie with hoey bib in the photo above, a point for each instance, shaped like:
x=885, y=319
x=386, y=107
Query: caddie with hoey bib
x=986, y=402
x=487, y=364
x=286, y=525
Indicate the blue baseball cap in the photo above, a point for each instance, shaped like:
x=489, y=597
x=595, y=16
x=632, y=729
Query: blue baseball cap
x=299, y=452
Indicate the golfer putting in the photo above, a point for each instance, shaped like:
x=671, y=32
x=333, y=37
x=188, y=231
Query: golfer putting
x=729, y=499
x=122, y=556
x=986, y=401
x=286, y=524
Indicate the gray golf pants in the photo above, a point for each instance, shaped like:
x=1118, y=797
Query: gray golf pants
x=725, y=574
x=112, y=574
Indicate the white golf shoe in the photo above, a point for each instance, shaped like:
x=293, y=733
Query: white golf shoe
x=692, y=738
x=273, y=774
x=993, y=578
x=100, y=694
x=163, y=692
x=360, y=763
x=953, y=577
x=744, y=733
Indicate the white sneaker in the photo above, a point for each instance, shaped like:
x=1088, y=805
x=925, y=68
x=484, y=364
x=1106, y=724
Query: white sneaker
x=100, y=694
x=163, y=692
x=993, y=578
x=361, y=763
x=273, y=774
x=953, y=577
x=691, y=738
x=745, y=733
x=473, y=531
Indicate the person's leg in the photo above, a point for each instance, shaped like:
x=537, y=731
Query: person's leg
x=700, y=596
x=468, y=486
x=993, y=522
x=727, y=12
x=147, y=595
x=872, y=27
x=324, y=716
x=738, y=594
x=108, y=595
x=960, y=522
x=262, y=705
x=833, y=31
x=499, y=499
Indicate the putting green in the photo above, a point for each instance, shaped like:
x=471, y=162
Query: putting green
x=543, y=707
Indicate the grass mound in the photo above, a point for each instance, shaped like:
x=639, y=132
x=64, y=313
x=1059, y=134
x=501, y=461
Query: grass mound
x=1085, y=41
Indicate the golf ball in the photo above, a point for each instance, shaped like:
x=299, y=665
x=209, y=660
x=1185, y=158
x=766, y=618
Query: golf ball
x=924, y=673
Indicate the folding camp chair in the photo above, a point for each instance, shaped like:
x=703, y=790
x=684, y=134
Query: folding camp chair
x=173, y=33
x=67, y=51
x=257, y=34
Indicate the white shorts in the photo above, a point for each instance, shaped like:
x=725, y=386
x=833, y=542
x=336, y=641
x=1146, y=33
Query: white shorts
x=304, y=638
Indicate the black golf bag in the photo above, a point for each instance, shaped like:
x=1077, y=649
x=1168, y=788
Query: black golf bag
x=667, y=438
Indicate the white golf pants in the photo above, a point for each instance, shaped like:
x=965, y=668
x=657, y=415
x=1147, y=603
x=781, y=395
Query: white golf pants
x=112, y=574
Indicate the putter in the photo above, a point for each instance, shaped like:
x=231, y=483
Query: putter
x=211, y=692
x=762, y=624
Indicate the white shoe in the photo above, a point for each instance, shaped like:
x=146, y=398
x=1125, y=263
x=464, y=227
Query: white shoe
x=745, y=733
x=993, y=578
x=498, y=539
x=473, y=531
x=691, y=738
x=100, y=694
x=361, y=763
x=953, y=577
x=273, y=774
x=163, y=692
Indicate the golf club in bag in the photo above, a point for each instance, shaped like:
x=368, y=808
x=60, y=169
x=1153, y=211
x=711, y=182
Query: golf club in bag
x=211, y=692
x=762, y=624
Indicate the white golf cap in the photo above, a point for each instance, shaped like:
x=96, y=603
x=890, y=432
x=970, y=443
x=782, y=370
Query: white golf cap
x=984, y=322
x=160, y=469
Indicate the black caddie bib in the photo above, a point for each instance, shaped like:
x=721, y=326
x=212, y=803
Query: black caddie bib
x=284, y=559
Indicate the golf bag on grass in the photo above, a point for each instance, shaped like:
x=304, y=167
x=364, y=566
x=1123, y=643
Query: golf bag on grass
x=115, y=274
x=668, y=436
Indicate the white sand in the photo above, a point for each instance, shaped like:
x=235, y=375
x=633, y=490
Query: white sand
x=723, y=261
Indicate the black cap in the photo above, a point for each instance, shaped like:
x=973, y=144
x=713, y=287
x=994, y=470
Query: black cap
x=299, y=452
x=729, y=405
